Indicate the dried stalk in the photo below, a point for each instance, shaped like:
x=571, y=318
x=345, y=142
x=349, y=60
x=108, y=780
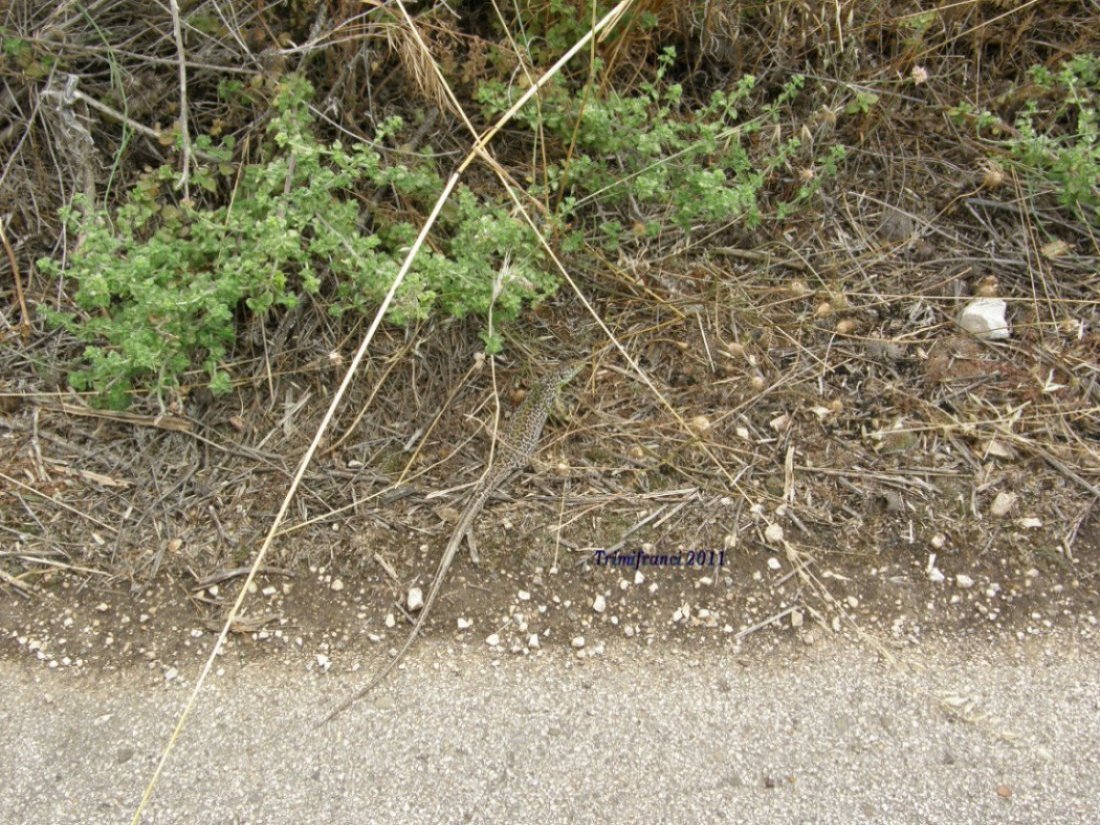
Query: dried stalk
x=353, y=367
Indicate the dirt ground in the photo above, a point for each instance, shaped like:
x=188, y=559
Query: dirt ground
x=815, y=423
x=896, y=579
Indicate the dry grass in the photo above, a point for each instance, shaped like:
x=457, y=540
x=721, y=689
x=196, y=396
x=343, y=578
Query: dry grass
x=834, y=339
x=808, y=375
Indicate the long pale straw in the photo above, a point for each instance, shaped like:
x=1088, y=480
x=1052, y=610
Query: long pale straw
x=608, y=20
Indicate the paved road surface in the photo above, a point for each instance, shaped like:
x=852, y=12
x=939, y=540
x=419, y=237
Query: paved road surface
x=822, y=734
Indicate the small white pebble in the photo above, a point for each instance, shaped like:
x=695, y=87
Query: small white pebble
x=599, y=604
x=415, y=599
x=1002, y=504
x=578, y=642
x=964, y=581
x=773, y=563
x=493, y=639
x=533, y=641
x=336, y=585
x=523, y=596
x=773, y=533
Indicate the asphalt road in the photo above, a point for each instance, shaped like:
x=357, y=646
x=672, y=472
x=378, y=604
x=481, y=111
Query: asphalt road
x=822, y=734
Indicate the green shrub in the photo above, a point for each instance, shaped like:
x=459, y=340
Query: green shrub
x=161, y=285
x=685, y=168
x=1055, y=139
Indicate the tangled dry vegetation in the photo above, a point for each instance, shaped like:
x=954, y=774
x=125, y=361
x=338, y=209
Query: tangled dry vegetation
x=813, y=352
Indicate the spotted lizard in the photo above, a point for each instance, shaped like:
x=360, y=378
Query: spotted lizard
x=516, y=449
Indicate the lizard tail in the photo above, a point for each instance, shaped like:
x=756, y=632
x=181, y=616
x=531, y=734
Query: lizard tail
x=437, y=585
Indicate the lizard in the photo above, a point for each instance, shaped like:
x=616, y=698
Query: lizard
x=517, y=448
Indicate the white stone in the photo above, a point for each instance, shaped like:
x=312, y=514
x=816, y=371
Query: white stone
x=773, y=533
x=578, y=642
x=599, y=604
x=533, y=641
x=796, y=618
x=523, y=596
x=415, y=600
x=464, y=624
x=493, y=639
x=985, y=318
x=336, y=585
x=773, y=563
x=1002, y=504
x=964, y=581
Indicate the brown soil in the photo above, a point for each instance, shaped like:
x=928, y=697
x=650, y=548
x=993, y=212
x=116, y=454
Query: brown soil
x=336, y=614
x=834, y=427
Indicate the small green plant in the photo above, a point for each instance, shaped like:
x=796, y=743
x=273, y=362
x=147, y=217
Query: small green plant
x=648, y=152
x=1055, y=139
x=33, y=63
x=162, y=285
x=862, y=103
